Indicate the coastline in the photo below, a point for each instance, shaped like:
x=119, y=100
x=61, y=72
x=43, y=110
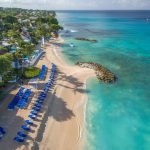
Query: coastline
x=78, y=107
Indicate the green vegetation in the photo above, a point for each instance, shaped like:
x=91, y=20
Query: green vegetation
x=1, y=84
x=30, y=72
x=2, y=48
x=5, y=63
x=22, y=29
x=33, y=24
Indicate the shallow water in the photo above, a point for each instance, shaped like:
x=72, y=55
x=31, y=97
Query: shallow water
x=118, y=115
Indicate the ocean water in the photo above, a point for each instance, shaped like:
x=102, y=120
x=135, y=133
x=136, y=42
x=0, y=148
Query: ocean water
x=117, y=115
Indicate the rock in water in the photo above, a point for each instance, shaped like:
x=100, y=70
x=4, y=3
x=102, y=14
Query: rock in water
x=102, y=73
x=85, y=39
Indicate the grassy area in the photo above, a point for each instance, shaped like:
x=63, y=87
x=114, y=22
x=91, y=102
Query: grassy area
x=27, y=73
x=30, y=72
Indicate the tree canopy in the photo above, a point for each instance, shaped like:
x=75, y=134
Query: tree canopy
x=22, y=29
x=5, y=63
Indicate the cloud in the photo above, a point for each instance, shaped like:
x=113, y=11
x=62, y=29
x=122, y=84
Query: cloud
x=78, y=4
x=135, y=4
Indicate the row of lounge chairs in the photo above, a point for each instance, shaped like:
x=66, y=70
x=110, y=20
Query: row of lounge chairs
x=51, y=78
x=16, y=99
x=24, y=99
x=42, y=72
x=21, y=136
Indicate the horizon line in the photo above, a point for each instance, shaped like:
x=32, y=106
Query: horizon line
x=79, y=9
x=103, y=10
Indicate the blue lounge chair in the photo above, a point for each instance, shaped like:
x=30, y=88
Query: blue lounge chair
x=46, y=90
x=49, y=86
x=51, y=78
x=46, y=87
x=32, y=116
x=2, y=131
x=18, y=139
x=24, y=127
x=43, y=95
x=37, y=105
x=42, y=72
x=33, y=112
x=48, y=83
x=21, y=134
x=24, y=99
x=41, y=98
x=28, y=122
x=16, y=99
x=36, y=108
x=51, y=83
x=39, y=101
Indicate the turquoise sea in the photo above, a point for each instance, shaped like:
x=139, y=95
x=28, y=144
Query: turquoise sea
x=117, y=115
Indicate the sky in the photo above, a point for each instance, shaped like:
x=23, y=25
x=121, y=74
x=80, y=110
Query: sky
x=78, y=4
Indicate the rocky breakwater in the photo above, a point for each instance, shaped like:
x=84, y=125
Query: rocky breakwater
x=85, y=39
x=102, y=73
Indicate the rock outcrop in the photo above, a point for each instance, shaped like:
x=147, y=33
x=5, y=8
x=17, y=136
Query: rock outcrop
x=85, y=39
x=102, y=73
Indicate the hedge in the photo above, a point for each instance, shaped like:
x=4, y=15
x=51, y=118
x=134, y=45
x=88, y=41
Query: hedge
x=30, y=72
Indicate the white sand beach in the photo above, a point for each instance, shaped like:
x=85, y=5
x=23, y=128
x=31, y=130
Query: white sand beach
x=59, y=124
